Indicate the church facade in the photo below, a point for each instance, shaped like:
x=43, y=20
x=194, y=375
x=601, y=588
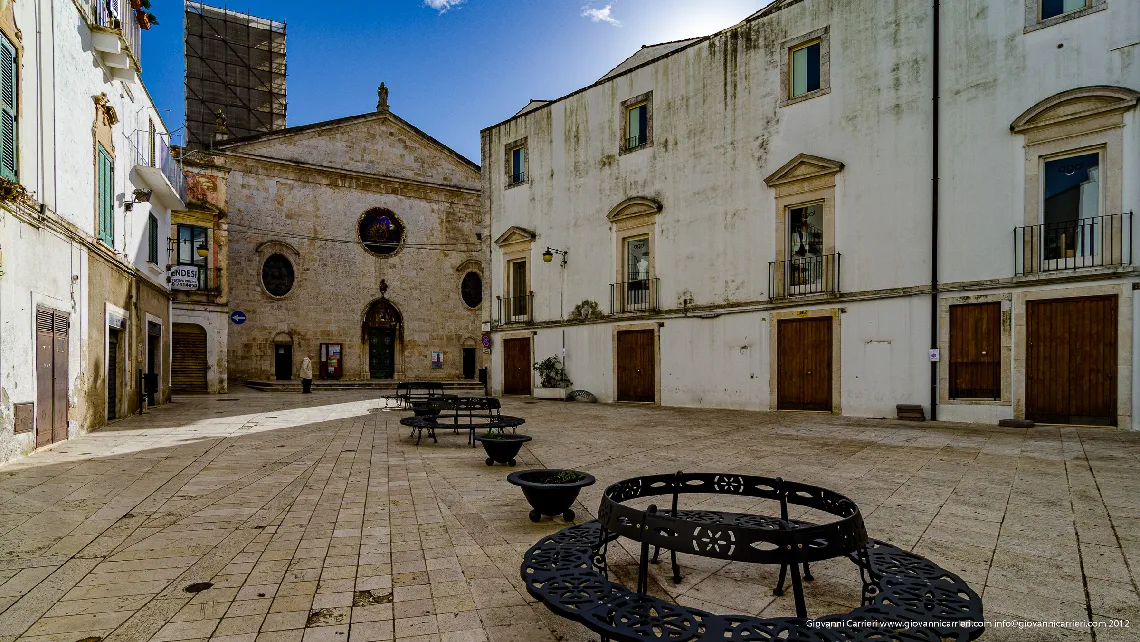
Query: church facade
x=355, y=241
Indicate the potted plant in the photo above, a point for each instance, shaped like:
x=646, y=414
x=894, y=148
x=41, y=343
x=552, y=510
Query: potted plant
x=554, y=382
x=11, y=191
x=551, y=491
x=501, y=447
x=145, y=18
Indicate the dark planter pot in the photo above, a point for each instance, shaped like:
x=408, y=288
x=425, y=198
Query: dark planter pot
x=549, y=499
x=502, y=448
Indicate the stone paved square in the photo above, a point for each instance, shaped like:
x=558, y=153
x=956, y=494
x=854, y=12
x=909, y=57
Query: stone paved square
x=317, y=518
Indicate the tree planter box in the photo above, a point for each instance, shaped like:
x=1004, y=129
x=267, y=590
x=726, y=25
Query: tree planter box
x=502, y=448
x=549, y=499
x=558, y=394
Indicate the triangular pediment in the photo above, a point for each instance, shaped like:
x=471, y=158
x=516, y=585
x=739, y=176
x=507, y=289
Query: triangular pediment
x=381, y=143
x=631, y=207
x=1075, y=104
x=515, y=234
x=803, y=167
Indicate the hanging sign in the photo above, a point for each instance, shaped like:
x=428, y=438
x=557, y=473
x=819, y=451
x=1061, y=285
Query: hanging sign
x=184, y=277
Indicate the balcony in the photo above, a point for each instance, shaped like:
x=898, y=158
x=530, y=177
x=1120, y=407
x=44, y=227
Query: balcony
x=516, y=309
x=159, y=169
x=116, y=36
x=1100, y=241
x=634, y=297
x=803, y=276
x=208, y=282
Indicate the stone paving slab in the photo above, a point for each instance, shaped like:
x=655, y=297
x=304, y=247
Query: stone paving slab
x=315, y=517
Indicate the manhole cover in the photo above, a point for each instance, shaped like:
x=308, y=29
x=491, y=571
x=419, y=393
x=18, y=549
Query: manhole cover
x=198, y=587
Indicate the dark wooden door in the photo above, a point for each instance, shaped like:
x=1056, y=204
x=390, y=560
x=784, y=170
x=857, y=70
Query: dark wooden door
x=469, y=363
x=283, y=362
x=975, y=351
x=188, y=360
x=45, y=382
x=1071, y=361
x=112, y=373
x=382, y=353
x=636, y=372
x=516, y=367
x=803, y=364
x=59, y=373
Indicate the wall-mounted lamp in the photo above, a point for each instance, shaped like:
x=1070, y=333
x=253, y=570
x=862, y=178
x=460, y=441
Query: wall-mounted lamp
x=548, y=255
x=203, y=251
x=141, y=196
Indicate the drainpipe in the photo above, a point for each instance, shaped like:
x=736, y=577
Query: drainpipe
x=934, y=221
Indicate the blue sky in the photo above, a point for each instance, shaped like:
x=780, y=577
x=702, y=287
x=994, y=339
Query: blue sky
x=453, y=67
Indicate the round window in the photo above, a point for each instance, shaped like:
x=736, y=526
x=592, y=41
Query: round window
x=472, y=289
x=277, y=275
x=381, y=232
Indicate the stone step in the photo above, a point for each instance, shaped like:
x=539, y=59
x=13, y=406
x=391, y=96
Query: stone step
x=294, y=385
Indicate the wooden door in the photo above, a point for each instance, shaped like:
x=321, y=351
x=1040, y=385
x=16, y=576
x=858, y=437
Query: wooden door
x=975, y=351
x=382, y=353
x=636, y=366
x=516, y=367
x=45, y=382
x=1071, y=361
x=112, y=373
x=59, y=373
x=188, y=362
x=803, y=364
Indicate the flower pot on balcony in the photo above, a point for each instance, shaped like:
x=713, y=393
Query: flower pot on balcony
x=143, y=19
x=558, y=394
x=136, y=4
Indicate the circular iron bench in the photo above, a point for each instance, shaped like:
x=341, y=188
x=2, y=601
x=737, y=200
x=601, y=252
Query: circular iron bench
x=473, y=414
x=905, y=596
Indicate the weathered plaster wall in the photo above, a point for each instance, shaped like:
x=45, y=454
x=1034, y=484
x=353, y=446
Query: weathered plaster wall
x=303, y=213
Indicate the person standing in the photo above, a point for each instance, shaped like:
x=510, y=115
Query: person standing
x=307, y=374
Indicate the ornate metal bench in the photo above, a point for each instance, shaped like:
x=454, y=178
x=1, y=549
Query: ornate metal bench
x=418, y=396
x=906, y=598
x=461, y=413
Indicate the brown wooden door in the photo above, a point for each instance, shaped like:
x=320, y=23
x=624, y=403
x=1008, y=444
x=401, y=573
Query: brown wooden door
x=803, y=364
x=45, y=382
x=516, y=367
x=188, y=359
x=975, y=351
x=1071, y=361
x=59, y=378
x=636, y=372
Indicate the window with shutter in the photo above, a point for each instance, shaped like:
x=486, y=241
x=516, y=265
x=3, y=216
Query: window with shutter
x=105, y=174
x=8, y=103
x=152, y=255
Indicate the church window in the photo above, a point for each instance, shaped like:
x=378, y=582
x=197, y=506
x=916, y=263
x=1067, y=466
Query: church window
x=277, y=275
x=381, y=231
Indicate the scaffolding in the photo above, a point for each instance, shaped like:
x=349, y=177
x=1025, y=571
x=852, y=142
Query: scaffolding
x=235, y=65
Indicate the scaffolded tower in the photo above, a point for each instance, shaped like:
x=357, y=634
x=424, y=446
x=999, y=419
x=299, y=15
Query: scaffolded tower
x=235, y=75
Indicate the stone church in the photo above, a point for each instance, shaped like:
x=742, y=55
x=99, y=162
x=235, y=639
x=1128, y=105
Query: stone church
x=356, y=241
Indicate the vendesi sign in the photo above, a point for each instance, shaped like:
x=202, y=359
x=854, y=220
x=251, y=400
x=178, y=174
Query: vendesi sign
x=184, y=277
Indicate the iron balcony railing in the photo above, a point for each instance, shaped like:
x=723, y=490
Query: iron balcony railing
x=516, y=309
x=518, y=177
x=633, y=142
x=638, y=295
x=209, y=281
x=1099, y=241
x=160, y=157
x=803, y=275
x=119, y=15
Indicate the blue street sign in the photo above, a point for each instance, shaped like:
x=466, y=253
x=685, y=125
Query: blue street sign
x=238, y=317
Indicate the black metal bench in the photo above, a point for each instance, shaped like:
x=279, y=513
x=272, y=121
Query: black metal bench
x=460, y=413
x=418, y=396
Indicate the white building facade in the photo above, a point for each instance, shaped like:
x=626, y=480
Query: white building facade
x=754, y=215
x=89, y=183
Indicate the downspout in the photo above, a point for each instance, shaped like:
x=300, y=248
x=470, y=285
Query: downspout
x=934, y=220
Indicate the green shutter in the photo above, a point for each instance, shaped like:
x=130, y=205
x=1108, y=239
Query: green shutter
x=9, y=100
x=106, y=197
x=152, y=256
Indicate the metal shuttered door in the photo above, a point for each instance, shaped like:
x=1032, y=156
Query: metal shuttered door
x=188, y=365
x=51, y=376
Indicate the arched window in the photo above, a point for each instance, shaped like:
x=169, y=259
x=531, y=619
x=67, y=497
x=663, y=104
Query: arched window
x=381, y=231
x=472, y=289
x=277, y=275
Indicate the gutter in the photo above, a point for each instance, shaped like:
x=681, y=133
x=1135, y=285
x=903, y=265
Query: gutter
x=935, y=56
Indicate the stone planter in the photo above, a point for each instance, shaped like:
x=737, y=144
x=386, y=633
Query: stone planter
x=549, y=499
x=502, y=448
x=558, y=394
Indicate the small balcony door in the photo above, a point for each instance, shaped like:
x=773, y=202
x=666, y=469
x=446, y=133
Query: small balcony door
x=805, y=249
x=519, y=301
x=638, y=267
x=1071, y=223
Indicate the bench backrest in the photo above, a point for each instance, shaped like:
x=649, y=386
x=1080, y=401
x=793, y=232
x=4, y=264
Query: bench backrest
x=418, y=390
x=469, y=409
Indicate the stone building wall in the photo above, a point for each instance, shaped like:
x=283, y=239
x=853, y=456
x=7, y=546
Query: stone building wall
x=309, y=213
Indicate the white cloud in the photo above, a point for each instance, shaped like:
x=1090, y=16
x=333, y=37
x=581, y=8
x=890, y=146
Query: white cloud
x=605, y=14
x=442, y=6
